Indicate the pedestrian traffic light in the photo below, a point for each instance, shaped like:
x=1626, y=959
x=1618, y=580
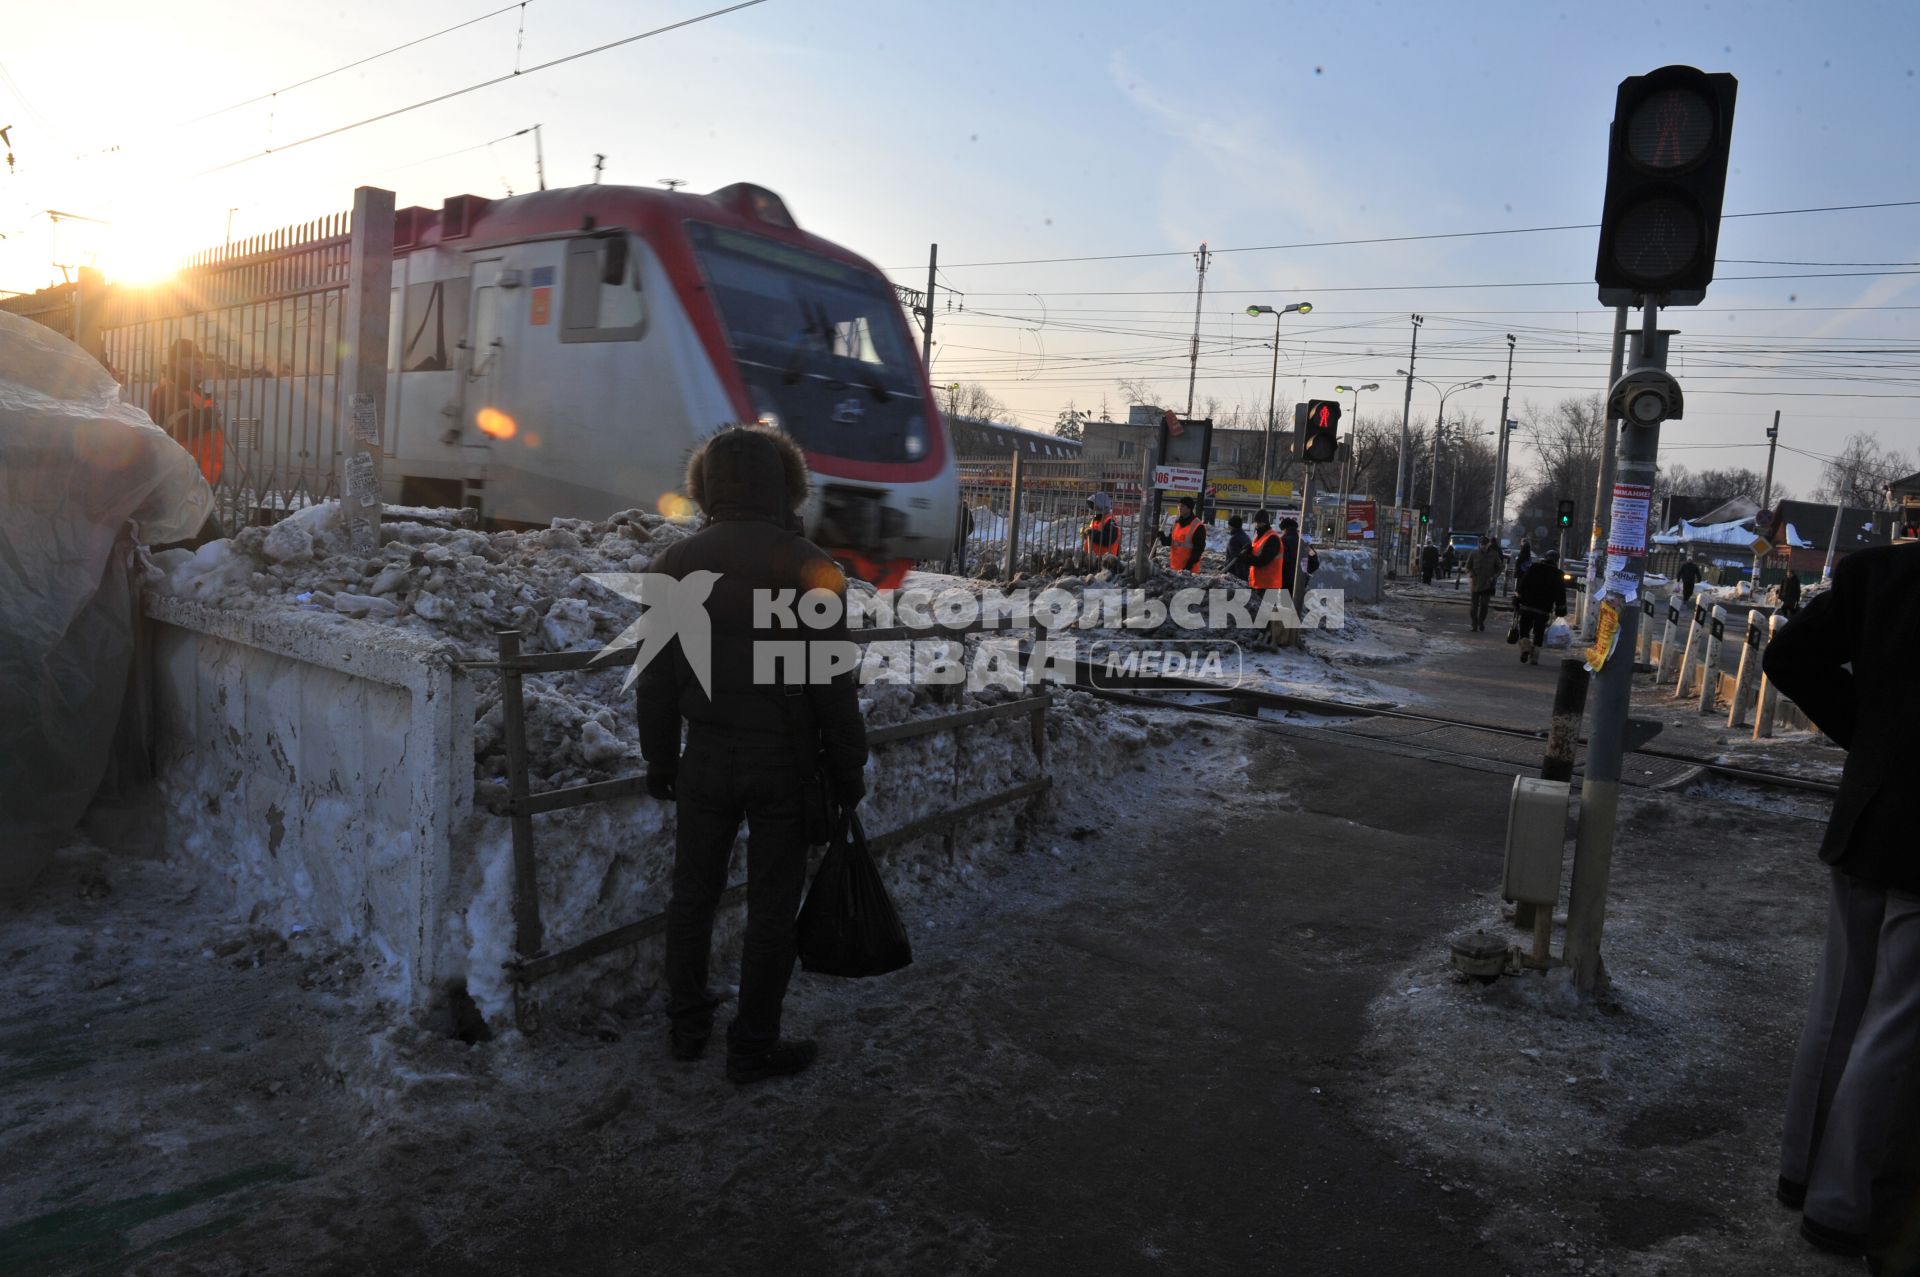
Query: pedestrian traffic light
x=1566, y=513
x=1425, y=517
x=1666, y=174
x=1318, y=440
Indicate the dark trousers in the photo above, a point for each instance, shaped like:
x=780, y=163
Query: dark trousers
x=1533, y=624
x=717, y=787
x=1482, y=602
x=1426, y=573
x=1850, y=1104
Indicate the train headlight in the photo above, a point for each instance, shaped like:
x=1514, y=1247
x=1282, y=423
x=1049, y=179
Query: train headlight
x=915, y=445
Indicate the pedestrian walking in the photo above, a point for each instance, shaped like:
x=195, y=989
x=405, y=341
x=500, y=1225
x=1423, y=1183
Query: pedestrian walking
x=1483, y=577
x=1290, y=554
x=1449, y=562
x=1790, y=593
x=1187, y=539
x=1851, y=1139
x=1689, y=577
x=1429, y=562
x=1540, y=596
x=775, y=754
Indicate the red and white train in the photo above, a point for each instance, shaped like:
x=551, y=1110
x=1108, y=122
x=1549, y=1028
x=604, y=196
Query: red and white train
x=560, y=353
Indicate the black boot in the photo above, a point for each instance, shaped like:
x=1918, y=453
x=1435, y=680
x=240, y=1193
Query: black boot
x=776, y=1060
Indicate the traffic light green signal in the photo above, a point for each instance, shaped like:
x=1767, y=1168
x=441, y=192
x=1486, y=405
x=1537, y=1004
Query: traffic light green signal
x=1566, y=513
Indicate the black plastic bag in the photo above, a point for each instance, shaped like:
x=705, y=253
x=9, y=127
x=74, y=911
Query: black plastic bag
x=848, y=925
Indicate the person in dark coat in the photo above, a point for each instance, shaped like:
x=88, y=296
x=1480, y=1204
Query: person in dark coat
x=1540, y=596
x=1850, y=1132
x=1522, y=560
x=1790, y=593
x=1689, y=577
x=1239, y=544
x=1429, y=562
x=755, y=749
x=1290, y=548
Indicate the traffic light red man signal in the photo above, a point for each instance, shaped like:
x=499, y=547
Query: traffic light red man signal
x=1320, y=438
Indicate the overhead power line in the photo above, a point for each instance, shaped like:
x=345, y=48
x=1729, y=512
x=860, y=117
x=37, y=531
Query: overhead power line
x=483, y=84
x=1408, y=288
x=358, y=62
x=1406, y=239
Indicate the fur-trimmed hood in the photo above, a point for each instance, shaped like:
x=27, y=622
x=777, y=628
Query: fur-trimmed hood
x=745, y=472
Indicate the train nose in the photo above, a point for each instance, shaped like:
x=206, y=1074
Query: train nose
x=859, y=519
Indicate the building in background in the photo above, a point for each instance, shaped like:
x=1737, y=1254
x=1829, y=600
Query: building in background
x=976, y=439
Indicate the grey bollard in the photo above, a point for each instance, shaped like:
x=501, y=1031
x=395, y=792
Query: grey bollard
x=1769, y=699
x=1643, y=650
x=1745, y=682
x=1669, y=644
x=1710, y=661
x=1691, y=652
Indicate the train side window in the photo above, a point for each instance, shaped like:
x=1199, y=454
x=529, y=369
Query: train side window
x=594, y=310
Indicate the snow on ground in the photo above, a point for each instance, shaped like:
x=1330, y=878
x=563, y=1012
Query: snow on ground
x=607, y=864
x=1587, y=1110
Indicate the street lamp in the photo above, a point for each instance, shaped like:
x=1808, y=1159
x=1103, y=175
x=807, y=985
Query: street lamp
x=1433, y=479
x=1346, y=481
x=1273, y=384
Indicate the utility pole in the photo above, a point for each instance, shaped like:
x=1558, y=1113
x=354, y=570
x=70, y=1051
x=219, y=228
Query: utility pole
x=1766, y=490
x=1496, y=513
x=599, y=163
x=1193, y=353
x=1613, y=685
x=1406, y=418
x=539, y=159
x=926, y=312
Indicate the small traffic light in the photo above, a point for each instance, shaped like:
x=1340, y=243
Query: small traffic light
x=1319, y=436
x=1666, y=175
x=1425, y=516
x=1566, y=513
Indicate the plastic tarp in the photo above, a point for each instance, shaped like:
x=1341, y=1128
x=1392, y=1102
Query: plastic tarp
x=83, y=477
x=1739, y=534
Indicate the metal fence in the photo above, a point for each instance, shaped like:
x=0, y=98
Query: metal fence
x=239, y=357
x=1050, y=498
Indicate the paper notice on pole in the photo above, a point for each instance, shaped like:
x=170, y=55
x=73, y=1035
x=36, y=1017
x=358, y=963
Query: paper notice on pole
x=366, y=419
x=1627, y=533
x=1606, y=636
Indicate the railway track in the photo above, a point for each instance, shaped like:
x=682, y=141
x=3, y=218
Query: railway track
x=1411, y=731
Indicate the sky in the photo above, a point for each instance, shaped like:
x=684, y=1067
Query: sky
x=1132, y=132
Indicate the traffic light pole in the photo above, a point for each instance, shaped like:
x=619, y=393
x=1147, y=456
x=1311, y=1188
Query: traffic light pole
x=1603, y=487
x=1613, y=685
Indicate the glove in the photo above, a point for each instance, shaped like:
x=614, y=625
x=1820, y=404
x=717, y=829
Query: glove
x=848, y=790
x=660, y=783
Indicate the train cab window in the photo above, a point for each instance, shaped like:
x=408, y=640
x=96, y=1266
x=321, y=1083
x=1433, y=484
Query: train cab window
x=434, y=321
x=594, y=309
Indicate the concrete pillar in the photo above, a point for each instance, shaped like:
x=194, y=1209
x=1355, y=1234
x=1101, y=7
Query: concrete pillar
x=1669, y=644
x=1745, y=682
x=1691, y=652
x=1710, y=660
x=1643, y=648
x=1769, y=699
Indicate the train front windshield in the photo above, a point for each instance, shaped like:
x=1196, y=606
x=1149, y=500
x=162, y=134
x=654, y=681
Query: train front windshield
x=820, y=344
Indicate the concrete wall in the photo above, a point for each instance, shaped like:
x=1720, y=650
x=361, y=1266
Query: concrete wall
x=317, y=764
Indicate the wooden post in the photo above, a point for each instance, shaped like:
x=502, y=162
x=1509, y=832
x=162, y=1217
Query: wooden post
x=363, y=364
x=1695, y=647
x=1643, y=654
x=526, y=886
x=1013, y=520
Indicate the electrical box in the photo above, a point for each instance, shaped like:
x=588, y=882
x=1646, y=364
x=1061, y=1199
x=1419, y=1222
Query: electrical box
x=1536, y=840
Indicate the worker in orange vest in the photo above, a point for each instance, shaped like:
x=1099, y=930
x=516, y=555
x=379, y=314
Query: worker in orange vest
x=1266, y=561
x=1188, y=539
x=188, y=413
x=1101, y=537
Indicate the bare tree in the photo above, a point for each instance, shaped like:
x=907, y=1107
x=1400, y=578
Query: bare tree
x=971, y=399
x=1860, y=473
x=1566, y=445
x=1138, y=390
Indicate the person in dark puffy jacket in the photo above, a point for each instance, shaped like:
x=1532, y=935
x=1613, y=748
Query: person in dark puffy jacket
x=1540, y=596
x=757, y=747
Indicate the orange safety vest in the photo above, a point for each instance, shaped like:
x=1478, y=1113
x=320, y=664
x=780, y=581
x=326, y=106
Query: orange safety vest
x=1268, y=577
x=1186, y=556
x=1100, y=524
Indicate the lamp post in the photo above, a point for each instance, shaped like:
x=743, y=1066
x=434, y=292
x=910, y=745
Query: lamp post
x=1346, y=482
x=1273, y=383
x=1433, y=478
x=1460, y=436
x=1498, y=514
